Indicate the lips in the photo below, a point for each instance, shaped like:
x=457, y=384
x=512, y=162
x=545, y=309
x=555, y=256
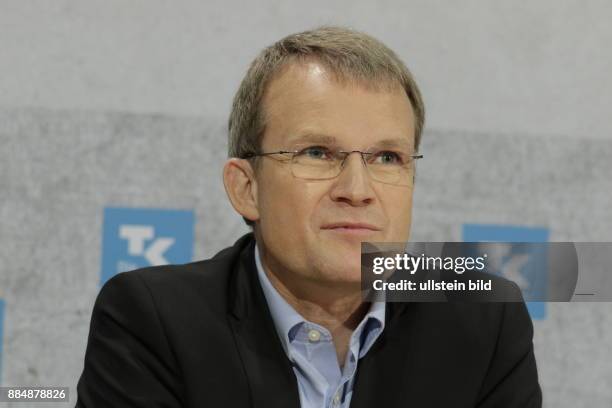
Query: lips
x=347, y=226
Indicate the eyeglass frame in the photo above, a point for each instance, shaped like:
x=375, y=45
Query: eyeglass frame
x=346, y=155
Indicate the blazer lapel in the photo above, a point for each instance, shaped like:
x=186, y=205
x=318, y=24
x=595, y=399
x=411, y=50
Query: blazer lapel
x=381, y=374
x=268, y=370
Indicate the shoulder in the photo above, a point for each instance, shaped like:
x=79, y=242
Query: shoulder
x=202, y=284
x=493, y=310
x=471, y=319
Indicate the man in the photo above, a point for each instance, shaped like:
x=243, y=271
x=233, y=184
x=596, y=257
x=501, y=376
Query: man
x=323, y=137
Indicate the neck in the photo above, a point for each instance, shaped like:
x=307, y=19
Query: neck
x=337, y=307
x=342, y=310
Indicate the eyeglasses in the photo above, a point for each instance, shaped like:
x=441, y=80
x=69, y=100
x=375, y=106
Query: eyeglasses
x=322, y=163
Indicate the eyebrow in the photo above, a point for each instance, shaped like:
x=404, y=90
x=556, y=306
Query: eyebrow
x=312, y=138
x=390, y=143
x=398, y=142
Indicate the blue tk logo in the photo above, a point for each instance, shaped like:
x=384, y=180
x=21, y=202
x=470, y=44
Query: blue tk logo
x=138, y=237
x=523, y=264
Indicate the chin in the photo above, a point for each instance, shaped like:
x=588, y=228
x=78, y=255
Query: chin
x=342, y=265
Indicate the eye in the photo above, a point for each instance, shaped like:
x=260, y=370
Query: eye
x=387, y=157
x=316, y=152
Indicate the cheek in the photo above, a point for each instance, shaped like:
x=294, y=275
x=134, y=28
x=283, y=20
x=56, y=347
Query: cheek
x=399, y=207
x=287, y=204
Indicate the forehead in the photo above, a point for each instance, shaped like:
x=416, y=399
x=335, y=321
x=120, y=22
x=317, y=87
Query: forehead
x=306, y=99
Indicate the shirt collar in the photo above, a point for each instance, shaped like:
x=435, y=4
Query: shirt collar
x=287, y=320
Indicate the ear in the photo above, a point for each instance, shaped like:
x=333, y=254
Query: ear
x=241, y=187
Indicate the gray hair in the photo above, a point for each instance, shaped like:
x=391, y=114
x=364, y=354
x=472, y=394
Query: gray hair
x=348, y=54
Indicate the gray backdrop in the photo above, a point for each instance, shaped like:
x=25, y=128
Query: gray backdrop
x=114, y=104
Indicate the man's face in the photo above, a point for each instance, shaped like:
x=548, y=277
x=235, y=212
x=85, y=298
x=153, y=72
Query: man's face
x=314, y=228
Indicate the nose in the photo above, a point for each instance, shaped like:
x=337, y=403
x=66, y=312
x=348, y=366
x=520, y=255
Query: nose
x=353, y=185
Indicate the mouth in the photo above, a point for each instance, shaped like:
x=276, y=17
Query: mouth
x=351, y=228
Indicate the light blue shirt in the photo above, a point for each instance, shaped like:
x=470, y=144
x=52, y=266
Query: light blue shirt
x=309, y=346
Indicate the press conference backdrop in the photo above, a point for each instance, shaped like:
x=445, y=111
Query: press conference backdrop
x=91, y=183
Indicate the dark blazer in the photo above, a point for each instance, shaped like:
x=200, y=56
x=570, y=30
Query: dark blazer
x=201, y=335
